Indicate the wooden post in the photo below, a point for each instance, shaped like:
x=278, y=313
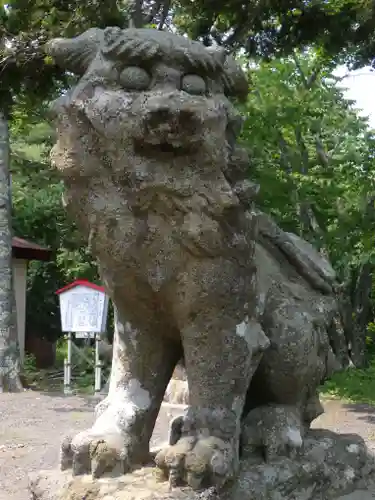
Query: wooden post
x=98, y=366
x=68, y=367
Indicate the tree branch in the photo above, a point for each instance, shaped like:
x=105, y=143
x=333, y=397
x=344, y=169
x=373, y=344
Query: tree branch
x=307, y=81
x=164, y=14
x=136, y=14
x=154, y=10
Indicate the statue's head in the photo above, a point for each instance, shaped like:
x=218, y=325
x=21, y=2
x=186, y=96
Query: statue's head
x=150, y=108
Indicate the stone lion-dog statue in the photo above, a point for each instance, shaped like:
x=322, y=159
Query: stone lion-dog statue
x=146, y=146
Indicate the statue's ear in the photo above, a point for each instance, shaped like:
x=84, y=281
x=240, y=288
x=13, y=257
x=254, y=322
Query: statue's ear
x=236, y=82
x=76, y=54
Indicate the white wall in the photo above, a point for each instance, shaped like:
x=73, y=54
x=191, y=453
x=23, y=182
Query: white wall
x=19, y=279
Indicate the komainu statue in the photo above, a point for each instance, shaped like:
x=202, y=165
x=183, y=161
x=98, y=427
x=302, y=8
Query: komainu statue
x=154, y=177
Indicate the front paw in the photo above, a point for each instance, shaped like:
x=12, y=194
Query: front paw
x=199, y=462
x=95, y=453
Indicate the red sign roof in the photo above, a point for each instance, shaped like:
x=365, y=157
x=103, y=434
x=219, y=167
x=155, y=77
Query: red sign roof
x=86, y=283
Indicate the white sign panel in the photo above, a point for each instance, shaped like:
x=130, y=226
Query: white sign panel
x=83, y=309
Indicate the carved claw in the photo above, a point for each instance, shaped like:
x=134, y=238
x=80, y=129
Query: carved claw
x=89, y=453
x=198, y=462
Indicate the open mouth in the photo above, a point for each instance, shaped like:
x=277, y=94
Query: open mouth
x=147, y=149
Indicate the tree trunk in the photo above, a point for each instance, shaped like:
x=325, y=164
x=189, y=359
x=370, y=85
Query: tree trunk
x=136, y=14
x=9, y=350
x=361, y=300
x=354, y=297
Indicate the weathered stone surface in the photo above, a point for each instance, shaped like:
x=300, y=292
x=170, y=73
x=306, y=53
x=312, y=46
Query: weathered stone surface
x=360, y=495
x=330, y=465
x=146, y=145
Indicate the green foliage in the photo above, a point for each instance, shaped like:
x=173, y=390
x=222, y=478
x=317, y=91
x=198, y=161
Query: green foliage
x=313, y=156
x=29, y=363
x=62, y=18
x=25, y=27
x=61, y=352
x=354, y=385
x=273, y=29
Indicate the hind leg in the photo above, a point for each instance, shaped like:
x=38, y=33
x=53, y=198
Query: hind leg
x=282, y=399
x=274, y=430
x=278, y=430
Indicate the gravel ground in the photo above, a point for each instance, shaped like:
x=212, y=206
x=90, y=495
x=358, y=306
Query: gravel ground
x=32, y=424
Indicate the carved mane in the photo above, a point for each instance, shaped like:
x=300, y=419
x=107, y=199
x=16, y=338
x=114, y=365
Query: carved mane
x=76, y=54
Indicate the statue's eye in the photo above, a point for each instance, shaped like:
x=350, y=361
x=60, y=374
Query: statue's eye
x=134, y=78
x=193, y=84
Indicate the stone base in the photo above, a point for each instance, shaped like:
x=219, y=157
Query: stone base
x=331, y=465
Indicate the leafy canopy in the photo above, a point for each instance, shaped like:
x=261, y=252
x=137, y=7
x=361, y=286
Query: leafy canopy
x=313, y=156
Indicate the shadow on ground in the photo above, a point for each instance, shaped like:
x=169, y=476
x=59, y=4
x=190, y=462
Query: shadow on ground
x=364, y=412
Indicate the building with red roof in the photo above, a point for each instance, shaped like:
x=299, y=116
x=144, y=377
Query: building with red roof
x=22, y=252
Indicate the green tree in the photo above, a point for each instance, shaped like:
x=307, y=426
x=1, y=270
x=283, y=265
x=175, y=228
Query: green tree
x=273, y=29
x=314, y=158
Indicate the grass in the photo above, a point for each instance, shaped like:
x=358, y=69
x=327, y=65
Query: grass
x=352, y=385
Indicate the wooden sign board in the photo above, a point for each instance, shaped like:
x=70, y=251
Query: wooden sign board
x=83, y=308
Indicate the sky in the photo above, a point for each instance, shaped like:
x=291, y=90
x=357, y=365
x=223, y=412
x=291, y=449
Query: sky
x=360, y=86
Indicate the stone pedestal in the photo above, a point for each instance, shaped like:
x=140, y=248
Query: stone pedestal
x=330, y=465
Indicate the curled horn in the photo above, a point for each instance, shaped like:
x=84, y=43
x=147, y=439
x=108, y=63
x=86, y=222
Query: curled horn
x=76, y=54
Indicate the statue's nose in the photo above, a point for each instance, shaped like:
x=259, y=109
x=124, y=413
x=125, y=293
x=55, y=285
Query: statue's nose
x=173, y=119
